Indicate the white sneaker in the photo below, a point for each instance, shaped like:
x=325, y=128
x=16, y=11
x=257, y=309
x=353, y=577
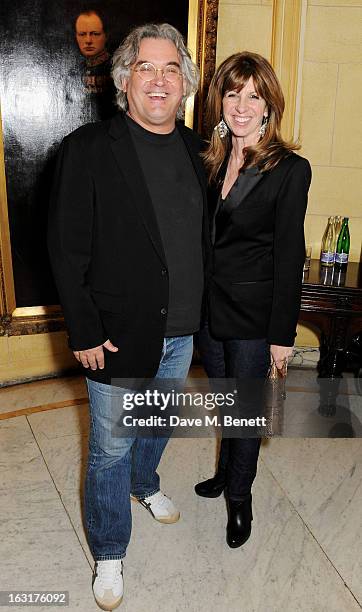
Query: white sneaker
x=108, y=583
x=161, y=508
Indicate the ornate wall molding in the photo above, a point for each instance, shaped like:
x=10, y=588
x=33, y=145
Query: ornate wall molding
x=287, y=56
x=32, y=320
x=202, y=39
x=7, y=291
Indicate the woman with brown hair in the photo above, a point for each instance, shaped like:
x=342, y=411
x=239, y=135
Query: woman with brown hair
x=261, y=189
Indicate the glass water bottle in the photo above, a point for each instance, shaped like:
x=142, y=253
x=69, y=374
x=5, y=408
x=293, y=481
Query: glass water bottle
x=337, y=229
x=328, y=244
x=343, y=245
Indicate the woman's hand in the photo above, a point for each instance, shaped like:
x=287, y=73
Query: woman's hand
x=280, y=353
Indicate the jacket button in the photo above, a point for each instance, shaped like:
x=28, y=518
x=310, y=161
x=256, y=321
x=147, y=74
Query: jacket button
x=163, y=311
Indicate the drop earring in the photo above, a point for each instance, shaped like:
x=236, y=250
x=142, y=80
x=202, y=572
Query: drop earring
x=263, y=127
x=222, y=128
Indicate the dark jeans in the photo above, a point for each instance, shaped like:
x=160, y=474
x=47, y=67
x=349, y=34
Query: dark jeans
x=242, y=359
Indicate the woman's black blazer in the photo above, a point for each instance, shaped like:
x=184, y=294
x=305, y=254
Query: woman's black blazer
x=259, y=251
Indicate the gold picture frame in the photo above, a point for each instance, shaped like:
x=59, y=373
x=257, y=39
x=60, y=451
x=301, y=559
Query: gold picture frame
x=14, y=321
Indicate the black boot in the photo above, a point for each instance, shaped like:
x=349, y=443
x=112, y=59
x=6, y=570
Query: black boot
x=238, y=529
x=213, y=487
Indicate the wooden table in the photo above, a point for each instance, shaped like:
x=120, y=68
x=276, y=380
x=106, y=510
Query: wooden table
x=332, y=302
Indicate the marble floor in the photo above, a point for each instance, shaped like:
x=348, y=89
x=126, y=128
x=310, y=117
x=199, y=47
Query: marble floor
x=304, y=555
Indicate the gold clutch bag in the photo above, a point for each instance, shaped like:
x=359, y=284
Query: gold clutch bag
x=274, y=373
x=275, y=396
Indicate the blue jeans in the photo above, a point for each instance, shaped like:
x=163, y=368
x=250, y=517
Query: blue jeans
x=120, y=466
x=242, y=359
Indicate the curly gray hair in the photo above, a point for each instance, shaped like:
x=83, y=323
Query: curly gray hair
x=126, y=54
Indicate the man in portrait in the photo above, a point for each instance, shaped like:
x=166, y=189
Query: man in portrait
x=128, y=241
x=92, y=39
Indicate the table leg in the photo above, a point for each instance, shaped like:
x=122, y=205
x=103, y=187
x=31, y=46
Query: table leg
x=331, y=364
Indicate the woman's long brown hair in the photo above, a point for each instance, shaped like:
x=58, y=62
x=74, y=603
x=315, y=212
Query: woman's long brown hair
x=232, y=75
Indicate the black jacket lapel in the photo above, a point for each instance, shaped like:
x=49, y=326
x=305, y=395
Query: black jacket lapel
x=128, y=163
x=239, y=192
x=237, y=195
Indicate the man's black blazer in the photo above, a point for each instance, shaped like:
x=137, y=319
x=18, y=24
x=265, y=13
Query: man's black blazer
x=106, y=250
x=259, y=252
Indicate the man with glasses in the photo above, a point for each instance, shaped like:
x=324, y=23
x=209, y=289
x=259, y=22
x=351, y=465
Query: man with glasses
x=128, y=243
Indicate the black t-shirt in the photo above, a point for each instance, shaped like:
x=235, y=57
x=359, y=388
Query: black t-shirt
x=177, y=200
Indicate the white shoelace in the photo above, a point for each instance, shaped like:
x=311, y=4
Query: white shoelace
x=108, y=572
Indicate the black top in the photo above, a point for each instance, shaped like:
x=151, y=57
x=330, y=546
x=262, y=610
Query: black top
x=177, y=200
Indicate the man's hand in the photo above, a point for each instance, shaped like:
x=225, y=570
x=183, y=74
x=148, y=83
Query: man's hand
x=93, y=358
x=279, y=354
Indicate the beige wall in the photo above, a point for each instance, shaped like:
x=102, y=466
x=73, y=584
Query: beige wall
x=244, y=25
x=23, y=357
x=330, y=121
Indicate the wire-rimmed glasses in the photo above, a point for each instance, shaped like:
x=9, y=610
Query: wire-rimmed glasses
x=148, y=72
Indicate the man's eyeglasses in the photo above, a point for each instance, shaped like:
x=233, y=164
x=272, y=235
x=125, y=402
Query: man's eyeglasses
x=148, y=72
